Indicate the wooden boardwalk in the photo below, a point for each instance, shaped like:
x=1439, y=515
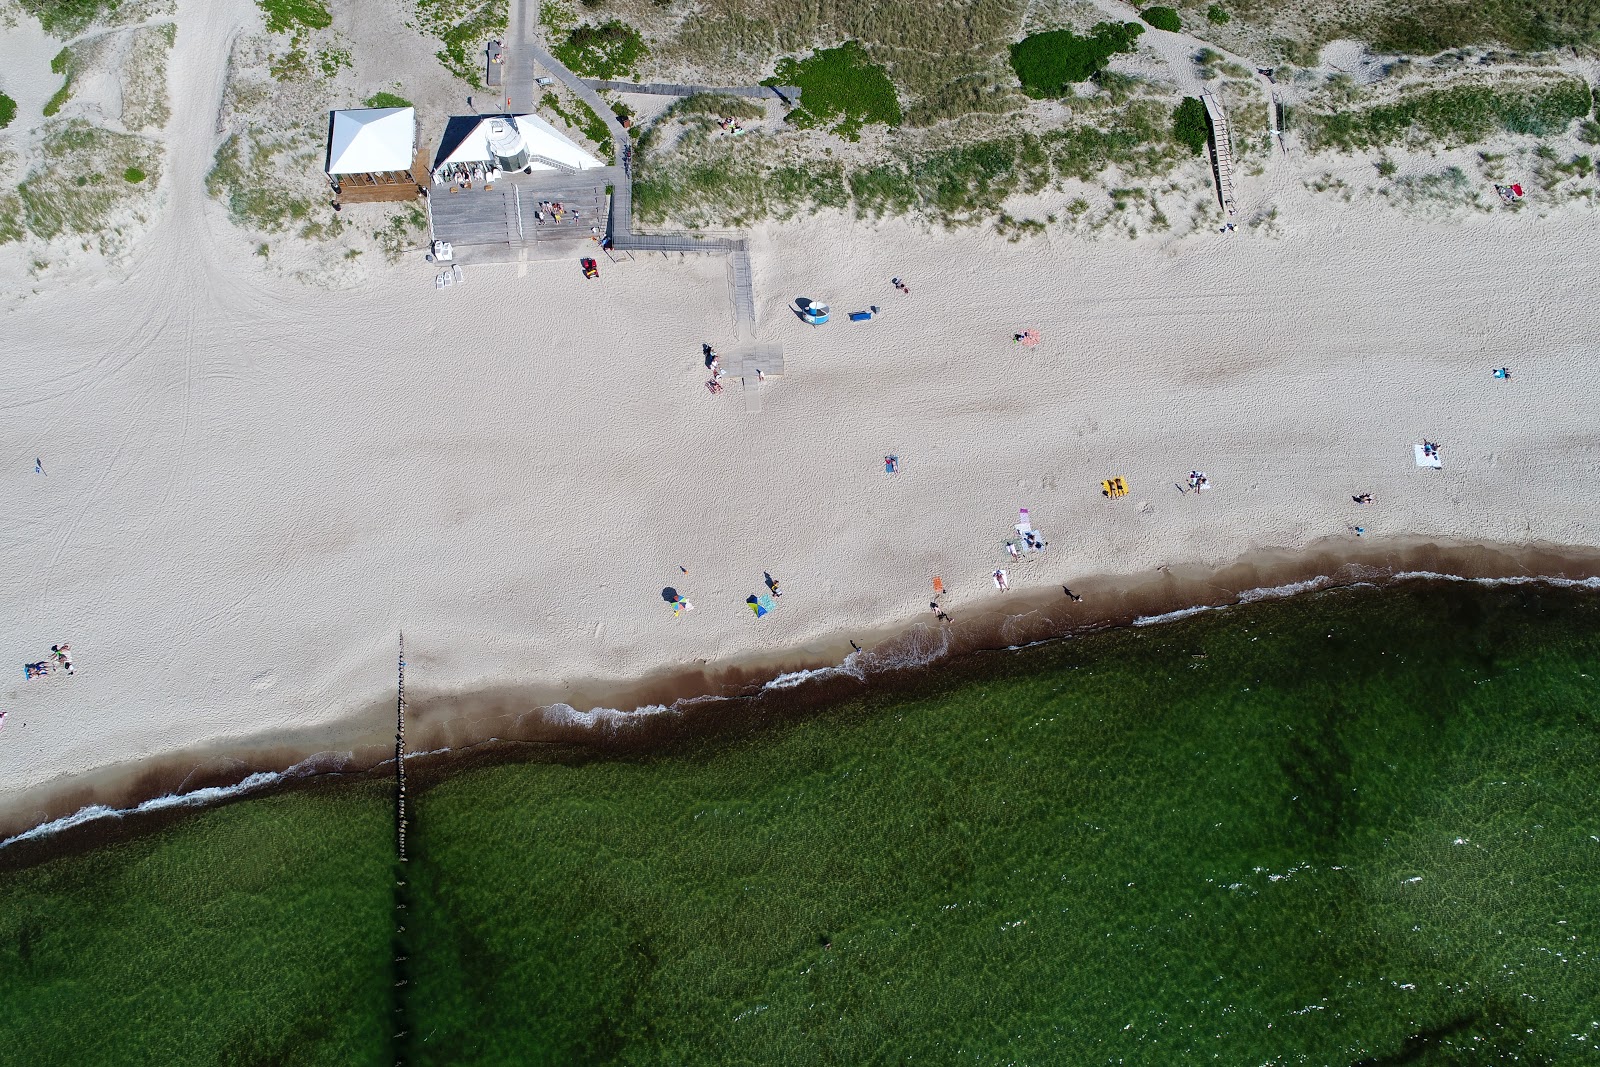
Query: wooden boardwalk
x=508, y=213
x=789, y=94
x=1221, y=151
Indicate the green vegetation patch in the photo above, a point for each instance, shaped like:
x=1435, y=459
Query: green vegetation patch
x=1047, y=64
x=256, y=933
x=1453, y=116
x=1163, y=18
x=1217, y=15
x=62, y=64
x=287, y=16
x=8, y=110
x=463, y=27
x=133, y=175
x=386, y=100
x=1423, y=27
x=842, y=86
x=609, y=50
x=1190, y=126
x=67, y=18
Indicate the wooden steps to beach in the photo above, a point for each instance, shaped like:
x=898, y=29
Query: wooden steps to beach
x=1221, y=151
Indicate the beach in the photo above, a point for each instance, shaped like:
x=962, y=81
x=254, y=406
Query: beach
x=249, y=487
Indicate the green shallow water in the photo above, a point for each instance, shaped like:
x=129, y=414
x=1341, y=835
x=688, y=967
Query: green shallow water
x=1352, y=828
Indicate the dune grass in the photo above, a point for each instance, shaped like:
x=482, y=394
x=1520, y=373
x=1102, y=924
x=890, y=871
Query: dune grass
x=841, y=88
x=953, y=186
x=1453, y=116
x=82, y=182
x=1048, y=64
x=8, y=110
x=462, y=27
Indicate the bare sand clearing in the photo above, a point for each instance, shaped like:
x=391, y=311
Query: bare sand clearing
x=251, y=486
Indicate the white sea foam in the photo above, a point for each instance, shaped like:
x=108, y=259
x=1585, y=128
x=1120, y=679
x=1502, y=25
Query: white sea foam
x=320, y=763
x=1518, y=579
x=1181, y=613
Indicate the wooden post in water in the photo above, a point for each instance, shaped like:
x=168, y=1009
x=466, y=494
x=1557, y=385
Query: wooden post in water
x=400, y=758
x=402, y=972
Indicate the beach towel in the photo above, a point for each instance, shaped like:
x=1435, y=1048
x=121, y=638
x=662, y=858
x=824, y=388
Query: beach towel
x=938, y=586
x=1426, y=460
x=1024, y=524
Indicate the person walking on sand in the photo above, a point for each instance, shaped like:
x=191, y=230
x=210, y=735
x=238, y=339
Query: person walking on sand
x=38, y=466
x=938, y=612
x=1076, y=599
x=772, y=583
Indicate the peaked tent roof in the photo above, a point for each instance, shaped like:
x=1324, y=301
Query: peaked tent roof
x=372, y=139
x=466, y=140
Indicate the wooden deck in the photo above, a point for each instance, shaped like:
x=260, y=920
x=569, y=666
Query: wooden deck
x=387, y=187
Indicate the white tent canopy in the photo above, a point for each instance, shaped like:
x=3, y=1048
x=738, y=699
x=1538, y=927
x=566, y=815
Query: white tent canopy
x=468, y=140
x=372, y=139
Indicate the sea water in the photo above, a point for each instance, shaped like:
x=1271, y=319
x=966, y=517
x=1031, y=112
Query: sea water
x=1351, y=827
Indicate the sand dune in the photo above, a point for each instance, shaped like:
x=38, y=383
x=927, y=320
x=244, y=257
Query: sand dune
x=252, y=486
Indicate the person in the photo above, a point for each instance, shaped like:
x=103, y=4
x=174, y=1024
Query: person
x=1011, y=547
x=938, y=612
x=772, y=583
x=1000, y=580
x=38, y=467
x=1360, y=530
x=855, y=646
x=1076, y=599
x=760, y=377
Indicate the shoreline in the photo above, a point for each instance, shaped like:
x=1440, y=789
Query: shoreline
x=639, y=717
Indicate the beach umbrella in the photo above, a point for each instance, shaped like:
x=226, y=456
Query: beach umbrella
x=670, y=595
x=1029, y=338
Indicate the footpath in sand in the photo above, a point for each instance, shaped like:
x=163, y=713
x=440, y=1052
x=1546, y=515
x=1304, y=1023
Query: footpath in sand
x=251, y=486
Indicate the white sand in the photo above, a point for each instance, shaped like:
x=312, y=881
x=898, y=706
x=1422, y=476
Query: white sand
x=252, y=486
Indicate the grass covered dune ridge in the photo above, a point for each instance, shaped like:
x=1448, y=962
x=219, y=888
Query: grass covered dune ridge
x=1351, y=827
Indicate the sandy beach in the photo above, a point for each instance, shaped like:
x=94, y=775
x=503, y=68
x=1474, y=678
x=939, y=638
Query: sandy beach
x=250, y=487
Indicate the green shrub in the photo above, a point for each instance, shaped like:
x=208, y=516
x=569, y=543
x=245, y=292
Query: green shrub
x=1189, y=124
x=1163, y=18
x=1047, y=63
x=65, y=18
x=8, y=110
x=610, y=50
x=287, y=16
x=1217, y=15
x=840, y=84
x=387, y=100
x=133, y=175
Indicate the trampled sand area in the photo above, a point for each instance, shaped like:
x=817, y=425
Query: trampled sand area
x=251, y=486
